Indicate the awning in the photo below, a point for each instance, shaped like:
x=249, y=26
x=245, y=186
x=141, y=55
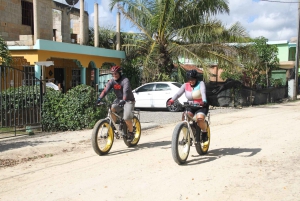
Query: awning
x=286, y=64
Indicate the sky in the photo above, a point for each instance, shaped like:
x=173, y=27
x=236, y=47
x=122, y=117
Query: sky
x=272, y=20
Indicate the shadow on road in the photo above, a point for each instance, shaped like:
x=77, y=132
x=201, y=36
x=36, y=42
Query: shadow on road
x=222, y=152
x=142, y=146
x=15, y=145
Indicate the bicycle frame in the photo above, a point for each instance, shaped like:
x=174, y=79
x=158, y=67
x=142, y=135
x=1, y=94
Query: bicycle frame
x=188, y=118
x=109, y=117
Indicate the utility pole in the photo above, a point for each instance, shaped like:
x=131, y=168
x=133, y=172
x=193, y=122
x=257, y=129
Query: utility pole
x=297, y=57
x=267, y=77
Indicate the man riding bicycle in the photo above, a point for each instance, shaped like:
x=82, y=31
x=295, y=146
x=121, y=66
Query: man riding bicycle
x=125, y=98
x=195, y=92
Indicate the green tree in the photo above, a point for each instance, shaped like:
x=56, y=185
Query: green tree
x=259, y=59
x=106, y=35
x=5, y=57
x=131, y=65
x=179, y=28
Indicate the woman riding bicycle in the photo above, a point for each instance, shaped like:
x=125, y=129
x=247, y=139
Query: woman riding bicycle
x=125, y=98
x=195, y=92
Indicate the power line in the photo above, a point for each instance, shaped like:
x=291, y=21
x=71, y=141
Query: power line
x=280, y=1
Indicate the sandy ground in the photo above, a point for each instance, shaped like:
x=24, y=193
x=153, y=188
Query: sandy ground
x=254, y=155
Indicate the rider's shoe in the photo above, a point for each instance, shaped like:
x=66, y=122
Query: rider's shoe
x=204, y=137
x=130, y=136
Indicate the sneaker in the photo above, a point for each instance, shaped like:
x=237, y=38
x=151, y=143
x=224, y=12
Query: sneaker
x=204, y=137
x=130, y=136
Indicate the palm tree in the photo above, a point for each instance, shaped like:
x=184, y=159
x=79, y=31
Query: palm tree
x=179, y=28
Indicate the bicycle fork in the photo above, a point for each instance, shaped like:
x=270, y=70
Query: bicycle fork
x=189, y=135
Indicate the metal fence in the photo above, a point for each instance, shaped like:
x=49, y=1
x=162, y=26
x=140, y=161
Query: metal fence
x=21, y=102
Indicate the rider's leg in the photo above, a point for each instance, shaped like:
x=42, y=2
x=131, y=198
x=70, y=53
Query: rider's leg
x=201, y=121
x=202, y=124
x=113, y=109
x=189, y=113
x=128, y=115
x=129, y=125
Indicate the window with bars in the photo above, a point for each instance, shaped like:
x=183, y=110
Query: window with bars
x=28, y=76
x=75, y=78
x=27, y=13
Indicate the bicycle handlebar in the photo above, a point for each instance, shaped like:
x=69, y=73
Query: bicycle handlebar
x=106, y=104
x=190, y=105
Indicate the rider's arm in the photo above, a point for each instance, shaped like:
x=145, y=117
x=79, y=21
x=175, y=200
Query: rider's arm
x=203, y=91
x=107, y=88
x=179, y=93
x=126, y=88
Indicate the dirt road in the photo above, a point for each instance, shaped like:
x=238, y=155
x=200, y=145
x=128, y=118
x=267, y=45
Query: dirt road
x=254, y=155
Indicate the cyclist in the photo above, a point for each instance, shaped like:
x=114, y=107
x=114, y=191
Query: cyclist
x=195, y=92
x=125, y=98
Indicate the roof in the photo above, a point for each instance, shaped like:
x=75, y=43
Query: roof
x=188, y=67
x=70, y=48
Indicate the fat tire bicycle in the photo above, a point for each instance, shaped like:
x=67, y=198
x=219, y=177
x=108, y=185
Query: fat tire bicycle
x=105, y=130
x=184, y=136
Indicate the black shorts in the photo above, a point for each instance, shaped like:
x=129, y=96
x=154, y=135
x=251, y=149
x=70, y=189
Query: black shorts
x=203, y=110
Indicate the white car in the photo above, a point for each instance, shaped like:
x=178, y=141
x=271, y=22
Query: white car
x=157, y=94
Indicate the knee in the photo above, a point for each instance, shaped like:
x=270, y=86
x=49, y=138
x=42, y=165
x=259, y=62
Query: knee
x=200, y=119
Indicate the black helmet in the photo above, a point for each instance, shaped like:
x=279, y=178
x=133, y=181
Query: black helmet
x=191, y=74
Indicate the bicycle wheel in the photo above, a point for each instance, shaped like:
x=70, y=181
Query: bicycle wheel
x=102, y=137
x=180, y=143
x=202, y=148
x=137, y=133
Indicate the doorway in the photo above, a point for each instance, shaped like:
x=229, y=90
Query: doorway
x=59, y=76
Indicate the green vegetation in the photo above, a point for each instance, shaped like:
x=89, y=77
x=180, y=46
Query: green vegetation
x=74, y=110
x=171, y=29
x=5, y=57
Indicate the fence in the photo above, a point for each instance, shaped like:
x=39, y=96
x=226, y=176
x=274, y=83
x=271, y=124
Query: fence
x=21, y=102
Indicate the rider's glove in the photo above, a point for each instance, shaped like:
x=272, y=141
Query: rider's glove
x=98, y=101
x=204, y=104
x=170, y=102
x=122, y=103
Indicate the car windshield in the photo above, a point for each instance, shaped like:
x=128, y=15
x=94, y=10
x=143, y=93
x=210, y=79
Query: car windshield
x=177, y=84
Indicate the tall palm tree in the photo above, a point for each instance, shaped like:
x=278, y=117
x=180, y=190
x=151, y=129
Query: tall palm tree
x=179, y=28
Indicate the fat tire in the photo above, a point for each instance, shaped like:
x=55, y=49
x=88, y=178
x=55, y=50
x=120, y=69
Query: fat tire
x=201, y=150
x=95, y=136
x=174, y=144
x=137, y=135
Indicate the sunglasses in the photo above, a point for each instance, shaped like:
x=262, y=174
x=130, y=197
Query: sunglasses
x=115, y=73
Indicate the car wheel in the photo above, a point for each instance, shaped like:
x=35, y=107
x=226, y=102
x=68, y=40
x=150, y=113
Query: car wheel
x=176, y=107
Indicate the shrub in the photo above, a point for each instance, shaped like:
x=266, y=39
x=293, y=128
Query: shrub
x=74, y=110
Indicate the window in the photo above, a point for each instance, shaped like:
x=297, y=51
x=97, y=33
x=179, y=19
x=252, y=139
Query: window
x=162, y=87
x=27, y=13
x=75, y=78
x=28, y=75
x=148, y=87
x=292, y=54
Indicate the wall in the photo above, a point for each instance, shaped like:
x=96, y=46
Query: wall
x=283, y=52
x=279, y=74
x=67, y=16
x=242, y=97
x=215, y=74
x=11, y=20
